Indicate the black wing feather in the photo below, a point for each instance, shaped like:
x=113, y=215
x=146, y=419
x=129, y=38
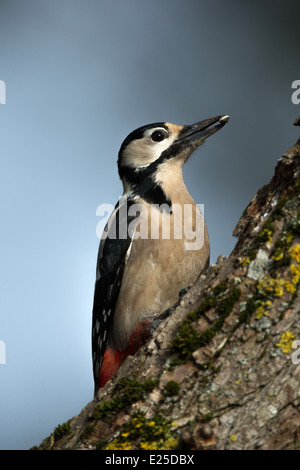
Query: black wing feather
x=111, y=263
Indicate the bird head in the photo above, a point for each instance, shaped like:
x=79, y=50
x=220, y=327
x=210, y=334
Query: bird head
x=148, y=148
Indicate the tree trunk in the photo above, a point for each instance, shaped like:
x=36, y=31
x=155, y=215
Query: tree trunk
x=222, y=371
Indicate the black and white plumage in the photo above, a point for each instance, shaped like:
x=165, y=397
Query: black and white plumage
x=137, y=279
x=109, y=273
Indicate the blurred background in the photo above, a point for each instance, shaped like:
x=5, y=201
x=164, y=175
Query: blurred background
x=80, y=75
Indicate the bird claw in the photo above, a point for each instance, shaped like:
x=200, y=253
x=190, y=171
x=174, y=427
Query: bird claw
x=155, y=323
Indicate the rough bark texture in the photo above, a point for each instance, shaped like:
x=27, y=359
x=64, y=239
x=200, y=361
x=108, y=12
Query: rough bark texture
x=220, y=372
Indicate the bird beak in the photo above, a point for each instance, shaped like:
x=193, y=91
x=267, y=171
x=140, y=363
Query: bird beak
x=197, y=133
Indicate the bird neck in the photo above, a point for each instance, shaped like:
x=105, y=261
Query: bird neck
x=151, y=192
x=170, y=179
x=163, y=186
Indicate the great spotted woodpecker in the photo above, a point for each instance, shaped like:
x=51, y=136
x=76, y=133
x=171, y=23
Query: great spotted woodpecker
x=139, y=275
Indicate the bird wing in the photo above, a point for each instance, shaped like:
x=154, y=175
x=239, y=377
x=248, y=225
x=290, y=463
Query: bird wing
x=110, y=267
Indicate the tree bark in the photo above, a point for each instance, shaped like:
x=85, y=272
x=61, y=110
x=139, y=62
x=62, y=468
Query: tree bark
x=222, y=371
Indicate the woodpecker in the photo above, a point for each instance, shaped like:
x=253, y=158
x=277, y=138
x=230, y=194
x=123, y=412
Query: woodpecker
x=139, y=275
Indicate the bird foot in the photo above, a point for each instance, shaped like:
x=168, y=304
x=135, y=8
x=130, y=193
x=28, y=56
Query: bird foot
x=155, y=323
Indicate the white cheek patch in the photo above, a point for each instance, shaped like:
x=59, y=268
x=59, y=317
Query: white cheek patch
x=142, y=152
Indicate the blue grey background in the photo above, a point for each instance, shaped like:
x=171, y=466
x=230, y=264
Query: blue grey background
x=81, y=75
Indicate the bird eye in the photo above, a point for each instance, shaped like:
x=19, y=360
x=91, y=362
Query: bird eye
x=158, y=136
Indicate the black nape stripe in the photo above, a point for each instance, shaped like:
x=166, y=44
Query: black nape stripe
x=143, y=185
x=152, y=193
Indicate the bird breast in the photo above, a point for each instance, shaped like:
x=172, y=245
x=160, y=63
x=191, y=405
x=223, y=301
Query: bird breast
x=169, y=258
